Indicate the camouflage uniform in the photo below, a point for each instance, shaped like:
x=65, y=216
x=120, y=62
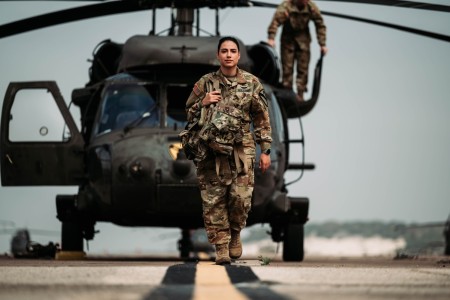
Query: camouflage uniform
x=227, y=181
x=296, y=39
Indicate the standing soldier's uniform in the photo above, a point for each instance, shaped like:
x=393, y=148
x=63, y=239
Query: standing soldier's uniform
x=296, y=39
x=226, y=175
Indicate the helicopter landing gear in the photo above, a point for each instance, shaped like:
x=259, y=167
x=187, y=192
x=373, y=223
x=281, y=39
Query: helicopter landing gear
x=73, y=233
x=75, y=227
x=293, y=236
x=71, y=236
x=293, y=242
x=185, y=245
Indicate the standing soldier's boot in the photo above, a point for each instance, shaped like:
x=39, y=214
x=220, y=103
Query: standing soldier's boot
x=222, y=254
x=235, y=245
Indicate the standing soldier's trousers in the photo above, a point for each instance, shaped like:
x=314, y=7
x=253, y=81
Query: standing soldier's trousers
x=292, y=53
x=225, y=206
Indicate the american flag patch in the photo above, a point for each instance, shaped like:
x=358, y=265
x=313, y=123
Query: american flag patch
x=196, y=90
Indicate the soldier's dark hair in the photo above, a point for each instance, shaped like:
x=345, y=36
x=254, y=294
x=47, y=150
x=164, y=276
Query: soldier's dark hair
x=227, y=38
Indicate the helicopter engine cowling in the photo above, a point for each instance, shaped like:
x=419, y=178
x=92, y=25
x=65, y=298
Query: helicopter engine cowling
x=140, y=52
x=105, y=61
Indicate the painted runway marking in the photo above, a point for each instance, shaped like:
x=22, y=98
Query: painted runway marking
x=212, y=281
x=206, y=280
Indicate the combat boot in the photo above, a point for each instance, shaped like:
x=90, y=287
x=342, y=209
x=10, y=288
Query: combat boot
x=222, y=255
x=235, y=245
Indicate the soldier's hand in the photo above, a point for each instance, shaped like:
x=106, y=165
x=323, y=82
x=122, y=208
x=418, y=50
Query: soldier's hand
x=271, y=42
x=264, y=162
x=211, y=98
x=323, y=50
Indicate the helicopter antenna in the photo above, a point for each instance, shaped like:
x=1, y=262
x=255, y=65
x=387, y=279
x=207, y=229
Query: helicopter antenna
x=217, y=22
x=198, y=21
x=172, y=22
x=152, y=32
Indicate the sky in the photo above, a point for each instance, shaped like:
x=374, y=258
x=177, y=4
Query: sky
x=379, y=135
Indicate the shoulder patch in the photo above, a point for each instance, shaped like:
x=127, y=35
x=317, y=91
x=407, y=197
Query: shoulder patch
x=262, y=95
x=196, y=90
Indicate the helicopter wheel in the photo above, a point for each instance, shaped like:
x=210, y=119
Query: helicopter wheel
x=293, y=242
x=71, y=237
x=185, y=243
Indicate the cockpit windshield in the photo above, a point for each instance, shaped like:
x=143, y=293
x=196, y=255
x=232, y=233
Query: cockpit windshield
x=128, y=105
x=125, y=106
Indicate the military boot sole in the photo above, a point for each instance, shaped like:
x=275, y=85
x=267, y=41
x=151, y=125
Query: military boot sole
x=235, y=256
x=223, y=261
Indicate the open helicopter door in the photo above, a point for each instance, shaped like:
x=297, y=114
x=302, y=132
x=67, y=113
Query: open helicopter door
x=34, y=148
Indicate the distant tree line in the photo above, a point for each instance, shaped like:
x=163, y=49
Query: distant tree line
x=420, y=238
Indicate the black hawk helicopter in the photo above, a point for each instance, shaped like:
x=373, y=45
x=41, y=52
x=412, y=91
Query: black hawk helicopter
x=126, y=158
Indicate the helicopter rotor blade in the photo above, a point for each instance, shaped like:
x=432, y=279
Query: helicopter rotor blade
x=399, y=3
x=104, y=9
x=224, y=3
x=115, y=7
x=429, y=34
x=70, y=15
x=396, y=3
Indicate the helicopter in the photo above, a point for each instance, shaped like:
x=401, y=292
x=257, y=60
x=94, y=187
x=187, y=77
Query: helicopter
x=118, y=180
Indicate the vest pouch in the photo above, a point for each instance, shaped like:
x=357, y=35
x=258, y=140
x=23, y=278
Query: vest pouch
x=193, y=146
x=225, y=130
x=221, y=148
x=227, y=118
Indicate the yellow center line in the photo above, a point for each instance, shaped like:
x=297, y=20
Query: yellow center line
x=212, y=282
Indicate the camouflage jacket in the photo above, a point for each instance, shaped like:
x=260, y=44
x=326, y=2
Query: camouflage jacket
x=245, y=93
x=295, y=23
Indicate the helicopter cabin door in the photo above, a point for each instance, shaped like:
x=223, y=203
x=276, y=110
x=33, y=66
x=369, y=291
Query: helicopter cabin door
x=40, y=142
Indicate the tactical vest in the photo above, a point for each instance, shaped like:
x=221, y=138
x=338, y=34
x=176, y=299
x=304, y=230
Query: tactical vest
x=220, y=128
x=223, y=124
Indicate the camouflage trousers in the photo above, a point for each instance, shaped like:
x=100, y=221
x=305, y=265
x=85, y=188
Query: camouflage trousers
x=225, y=206
x=293, y=53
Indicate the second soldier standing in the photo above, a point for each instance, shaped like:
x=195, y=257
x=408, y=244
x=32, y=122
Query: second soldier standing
x=235, y=99
x=294, y=16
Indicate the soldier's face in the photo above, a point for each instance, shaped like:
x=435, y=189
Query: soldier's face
x=228, y=54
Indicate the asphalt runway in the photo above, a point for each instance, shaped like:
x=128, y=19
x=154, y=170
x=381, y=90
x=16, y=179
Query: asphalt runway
x=170, y=278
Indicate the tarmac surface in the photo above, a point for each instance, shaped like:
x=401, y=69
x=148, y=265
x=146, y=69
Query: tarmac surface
x=170, y=278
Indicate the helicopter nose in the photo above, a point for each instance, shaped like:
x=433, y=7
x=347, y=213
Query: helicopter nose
x=181, y=166
x=136, y=169
x=139, y=168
